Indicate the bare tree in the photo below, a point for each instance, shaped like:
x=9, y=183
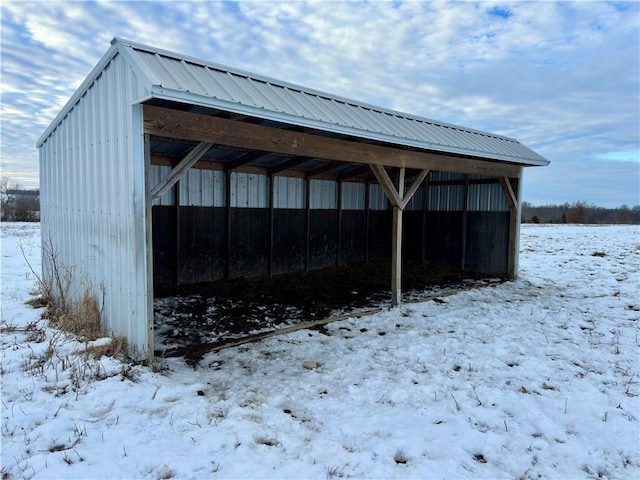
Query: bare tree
x=7, y=190
x=16, y=204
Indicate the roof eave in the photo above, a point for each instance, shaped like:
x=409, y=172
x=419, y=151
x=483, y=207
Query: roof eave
x=161, y=93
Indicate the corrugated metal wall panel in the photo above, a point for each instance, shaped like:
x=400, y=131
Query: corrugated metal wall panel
x=249, y=190
x=417, y=201
x=157, y=173
x=445, y=176
x=288, y=192
x=446, y=198
x=377, y=198
x=487, y=198
x=92, y=196
x=202, y=188
x=353, y=196
x=323, y=194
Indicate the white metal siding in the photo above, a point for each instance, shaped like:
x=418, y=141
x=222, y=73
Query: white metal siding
x=92, y=200
x=202, y=188
x=446, y=198
x=157, y=173
x=249, y=190
x=353, y=196
x=377, y=198
x=288, y=192
x=483, y=197
x=323, y=194
x=487, y=198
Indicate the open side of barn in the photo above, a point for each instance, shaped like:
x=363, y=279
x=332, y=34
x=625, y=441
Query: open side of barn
x=165, y=171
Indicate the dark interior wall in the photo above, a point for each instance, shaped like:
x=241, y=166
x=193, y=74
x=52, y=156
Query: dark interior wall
x=443, y=238
x=289, y=240
x=487, y=242
x=197, y=253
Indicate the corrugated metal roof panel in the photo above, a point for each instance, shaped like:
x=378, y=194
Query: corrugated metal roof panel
x=177, y=76
x=288, y=102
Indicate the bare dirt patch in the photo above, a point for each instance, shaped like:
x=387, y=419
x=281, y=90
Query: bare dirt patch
x=211, y=314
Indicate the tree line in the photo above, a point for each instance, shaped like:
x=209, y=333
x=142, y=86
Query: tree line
x=580, y=212
x=17, y=204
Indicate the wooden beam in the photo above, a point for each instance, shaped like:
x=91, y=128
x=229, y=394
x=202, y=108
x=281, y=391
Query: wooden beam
x=292, y=162
x=324, y=169
x=354, y=173
x=401, y=182
x=244, y=159
x=406, y=198
x=187, y=162
x=395, y=197
x=257, y=169
x=387, y=185
x=166, y=122
x=509, y=193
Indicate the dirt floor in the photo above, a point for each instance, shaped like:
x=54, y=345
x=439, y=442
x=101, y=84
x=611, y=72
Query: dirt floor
x=212, y=314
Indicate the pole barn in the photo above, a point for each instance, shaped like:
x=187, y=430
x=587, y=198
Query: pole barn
x=164, y=171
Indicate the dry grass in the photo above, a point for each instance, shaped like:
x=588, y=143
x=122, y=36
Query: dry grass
x=116, y=347
x=81, y=317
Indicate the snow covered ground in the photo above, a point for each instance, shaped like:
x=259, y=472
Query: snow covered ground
x=536, y=378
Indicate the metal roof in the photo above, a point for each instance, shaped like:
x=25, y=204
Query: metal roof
x=189, y=80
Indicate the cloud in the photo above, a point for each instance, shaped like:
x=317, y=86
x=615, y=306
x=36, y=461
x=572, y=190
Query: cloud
x=560, y=77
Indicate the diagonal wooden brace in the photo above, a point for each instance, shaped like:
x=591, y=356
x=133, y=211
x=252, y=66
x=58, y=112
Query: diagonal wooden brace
x=395, y=197
x=509, y=193
x=185, y=164
x=387, y=185
x=413, y=188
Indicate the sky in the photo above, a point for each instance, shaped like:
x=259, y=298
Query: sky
x=561, y=77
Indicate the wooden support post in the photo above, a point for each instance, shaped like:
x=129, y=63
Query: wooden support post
x=396, y=245
x=227, y=193
x=307, y=222
x=339, y=234
x=399, y=201
x=423, y=230
x=271, y=213
x=465, y=211
x=396, y=257
x=148, y=212
x=367, y=209
x=176, y=201
x=513, y=192
x=413, y=188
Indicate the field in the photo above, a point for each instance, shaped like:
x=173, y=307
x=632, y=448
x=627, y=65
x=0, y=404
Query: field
x=535, y=378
